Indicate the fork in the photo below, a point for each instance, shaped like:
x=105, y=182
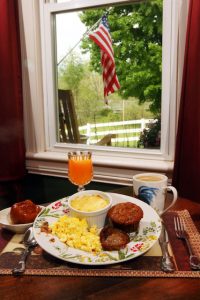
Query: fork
x=182, y=234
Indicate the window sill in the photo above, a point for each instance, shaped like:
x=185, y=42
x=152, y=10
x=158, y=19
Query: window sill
x=107, y=170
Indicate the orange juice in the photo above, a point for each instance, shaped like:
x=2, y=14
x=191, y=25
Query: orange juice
x=80, y=169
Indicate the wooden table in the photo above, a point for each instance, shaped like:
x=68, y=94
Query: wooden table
x=46, y=287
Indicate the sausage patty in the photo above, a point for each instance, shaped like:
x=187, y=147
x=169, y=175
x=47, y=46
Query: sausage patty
x=113, y=238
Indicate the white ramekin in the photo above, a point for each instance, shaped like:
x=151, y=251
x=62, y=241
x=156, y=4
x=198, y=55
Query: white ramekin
x=93, y=218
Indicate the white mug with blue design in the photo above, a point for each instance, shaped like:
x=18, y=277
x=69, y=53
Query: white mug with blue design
x=152, y=188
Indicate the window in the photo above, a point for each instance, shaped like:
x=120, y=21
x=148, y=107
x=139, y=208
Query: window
x=45, y=153
x=137, y=42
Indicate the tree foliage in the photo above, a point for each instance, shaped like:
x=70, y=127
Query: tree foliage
x=87, y=88
x=150, y=137
x=71, y=73
x=136, y=30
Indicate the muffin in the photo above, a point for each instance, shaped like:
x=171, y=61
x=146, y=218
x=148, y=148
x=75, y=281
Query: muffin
x=125, y=216
x=24, y=212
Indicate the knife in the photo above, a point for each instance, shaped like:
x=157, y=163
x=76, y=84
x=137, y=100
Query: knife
x=167, y=264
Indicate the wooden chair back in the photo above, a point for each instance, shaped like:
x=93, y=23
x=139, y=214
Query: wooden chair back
x=68, y=121
x=67, y=117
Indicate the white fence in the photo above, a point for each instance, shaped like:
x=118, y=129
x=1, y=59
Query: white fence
x=126, y=131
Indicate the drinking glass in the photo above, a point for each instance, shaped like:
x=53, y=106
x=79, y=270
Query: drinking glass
x=80, y=168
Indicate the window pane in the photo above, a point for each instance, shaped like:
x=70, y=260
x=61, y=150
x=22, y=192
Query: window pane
x=132, y=116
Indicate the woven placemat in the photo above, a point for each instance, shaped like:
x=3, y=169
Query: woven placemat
x=179, y=247
x=106, y=273
x=194, y=235
x=43, y=264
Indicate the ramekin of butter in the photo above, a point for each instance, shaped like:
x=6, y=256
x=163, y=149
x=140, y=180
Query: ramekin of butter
x=92, y=205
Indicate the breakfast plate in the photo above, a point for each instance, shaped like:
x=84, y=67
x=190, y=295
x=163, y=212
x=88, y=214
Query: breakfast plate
x=142, y=241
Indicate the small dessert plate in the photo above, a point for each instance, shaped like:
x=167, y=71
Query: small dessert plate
x=5, y=222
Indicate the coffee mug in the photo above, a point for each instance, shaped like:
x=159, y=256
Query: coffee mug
x=152, y=188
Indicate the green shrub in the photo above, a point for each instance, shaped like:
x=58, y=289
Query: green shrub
x=150, y=137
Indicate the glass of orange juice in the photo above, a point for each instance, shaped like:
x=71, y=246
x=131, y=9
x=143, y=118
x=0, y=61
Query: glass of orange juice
x=80, y=168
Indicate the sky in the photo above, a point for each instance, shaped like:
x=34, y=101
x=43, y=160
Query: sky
x=69, y=32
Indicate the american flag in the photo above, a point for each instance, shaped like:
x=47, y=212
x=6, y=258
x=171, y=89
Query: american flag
x=103, y=39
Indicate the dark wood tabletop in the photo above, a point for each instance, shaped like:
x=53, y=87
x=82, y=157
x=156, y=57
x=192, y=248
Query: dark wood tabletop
x=52, y=287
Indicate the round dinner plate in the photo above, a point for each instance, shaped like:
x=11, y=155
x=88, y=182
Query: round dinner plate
x=148, y=234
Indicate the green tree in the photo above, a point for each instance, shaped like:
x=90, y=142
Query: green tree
x=86, y=85
x=70, y=74
x=90, y=96
x=136, y=31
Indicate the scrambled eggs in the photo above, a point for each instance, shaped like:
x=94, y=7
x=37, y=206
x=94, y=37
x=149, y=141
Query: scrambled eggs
x=76, y=233
x=89, y=203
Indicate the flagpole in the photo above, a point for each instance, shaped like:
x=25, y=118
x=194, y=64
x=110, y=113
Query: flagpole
x=91, y=28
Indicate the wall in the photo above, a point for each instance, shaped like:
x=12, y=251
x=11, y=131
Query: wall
x=43, y=189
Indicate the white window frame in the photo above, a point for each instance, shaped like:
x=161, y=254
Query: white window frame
x=112, y=165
